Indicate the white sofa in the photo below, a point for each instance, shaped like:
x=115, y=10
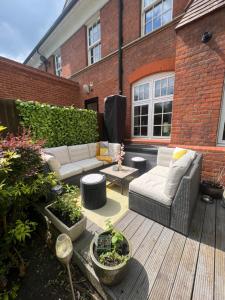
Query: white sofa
x=69, y=161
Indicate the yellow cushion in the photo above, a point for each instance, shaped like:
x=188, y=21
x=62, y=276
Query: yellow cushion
x=104, y=158
x=178, y=153
x=103, y=151
x=97, y=149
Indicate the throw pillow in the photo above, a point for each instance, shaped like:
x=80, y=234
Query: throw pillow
x=53, y=163
x=104, y=158
x=178, y=153
x=104, y=148
x=176, y=171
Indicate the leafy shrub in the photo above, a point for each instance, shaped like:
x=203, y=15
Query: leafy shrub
x=66, y=207
x=58, y=125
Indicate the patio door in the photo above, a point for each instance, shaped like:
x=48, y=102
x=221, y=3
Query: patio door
x=221, y=137
x=91, y=104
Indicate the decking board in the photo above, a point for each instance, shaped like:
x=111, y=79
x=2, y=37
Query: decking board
x=166, y=264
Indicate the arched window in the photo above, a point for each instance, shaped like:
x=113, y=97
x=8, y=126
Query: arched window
x=152, y=106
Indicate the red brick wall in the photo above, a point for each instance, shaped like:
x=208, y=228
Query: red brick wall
x=51, y=65
x=131, y=20
x=200, y=70
x=74, y=53
x=21, y=82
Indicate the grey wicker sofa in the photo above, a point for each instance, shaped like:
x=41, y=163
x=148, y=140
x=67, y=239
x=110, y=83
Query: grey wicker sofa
x=175, y=212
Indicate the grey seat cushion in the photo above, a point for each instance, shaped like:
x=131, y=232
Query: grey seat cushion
x=164, y=156
x=69, y=170
x=89, y=164
x=78, y=152
x=151, y=186
x=61, y=154
x=160, y=171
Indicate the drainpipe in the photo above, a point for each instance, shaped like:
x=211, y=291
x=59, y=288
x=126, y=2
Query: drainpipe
x=120, y=50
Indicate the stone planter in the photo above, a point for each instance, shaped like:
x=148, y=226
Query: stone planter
x=73, y=232
x=109, y=275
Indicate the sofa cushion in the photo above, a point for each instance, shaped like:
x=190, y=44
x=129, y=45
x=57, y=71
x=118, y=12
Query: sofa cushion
x=53, y=163
x=176, y=171
x=78, y=152
x=61, y=154
x=114, y=150
x=164, y=156
x=160, y=171
x=92, y=147
x=89, y=164
x=151, y=186
x=104, y=148
x=108, y=159
x=69, y=170
x=178, y=153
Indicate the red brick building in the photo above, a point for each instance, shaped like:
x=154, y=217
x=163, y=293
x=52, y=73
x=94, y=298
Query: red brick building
x=166, y=56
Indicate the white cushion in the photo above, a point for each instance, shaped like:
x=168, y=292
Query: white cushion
x=92, y=178
x=137, y=159
x=69, y=170
x=160, y=171
x=92, y=149
x=151, y=186
x=60, y=153
x=164, y=156
x=78, y=152
x=114, y=150
x=176, y=171
x=89, y=164
x=52, y=162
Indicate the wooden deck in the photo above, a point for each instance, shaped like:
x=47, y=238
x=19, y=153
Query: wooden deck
x=166, y=264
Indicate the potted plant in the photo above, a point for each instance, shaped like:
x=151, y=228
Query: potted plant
x=110, y=253
x=65, y=213
x=214, y=188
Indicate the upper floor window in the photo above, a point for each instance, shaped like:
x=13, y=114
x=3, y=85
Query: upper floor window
x=156, y=14
x=221, y=135
x=94, y=42
x=58, y=64
x=152, y=106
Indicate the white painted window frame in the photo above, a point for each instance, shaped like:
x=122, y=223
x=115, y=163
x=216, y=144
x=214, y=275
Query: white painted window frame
x=58, y=70
x=145, y=10
x=221, y=142
x=95, y=19
x=150, y=102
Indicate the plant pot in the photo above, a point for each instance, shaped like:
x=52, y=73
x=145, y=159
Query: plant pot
x=214, y=192
x=109, y=275
x=73, y=232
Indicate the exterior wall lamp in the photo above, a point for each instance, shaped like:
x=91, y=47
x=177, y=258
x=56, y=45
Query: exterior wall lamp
x=87, y=88
x=206, y=37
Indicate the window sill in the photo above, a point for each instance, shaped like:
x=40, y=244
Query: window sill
x=149, y=141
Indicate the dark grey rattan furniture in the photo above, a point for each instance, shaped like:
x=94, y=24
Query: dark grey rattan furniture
x=139, y=163
x=93, y=191
x=177, y=215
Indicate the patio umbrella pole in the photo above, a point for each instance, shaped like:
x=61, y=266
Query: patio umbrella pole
x=71, y=282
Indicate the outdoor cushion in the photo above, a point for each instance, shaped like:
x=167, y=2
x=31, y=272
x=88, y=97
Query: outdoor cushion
x=61, y=154
x=92, y=147
x=160, y=171
x=164, y=156
x=52, y=162
x=89, y=164
x=106, y=158
x=78, y=152
x=176, y=171
x=114, y=150
x=104, y=148
x=178, y=153
x=69, y=170
x=151, y=186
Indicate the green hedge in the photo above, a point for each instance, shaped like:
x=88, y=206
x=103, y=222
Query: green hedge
x=58, y=125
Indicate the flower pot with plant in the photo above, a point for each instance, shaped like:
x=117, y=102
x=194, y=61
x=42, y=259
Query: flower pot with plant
x=65, y=213
x=110, y=253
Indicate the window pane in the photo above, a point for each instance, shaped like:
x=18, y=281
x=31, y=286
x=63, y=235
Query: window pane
x=167, y=4
x=158, y=120
x=170, y=86
x=148, y=16
x=166, y=129
x=167, y=107
x=157, y=88
x=146, y=91
x=144, y=110
x=157, y=23
x=157, y=11
x=167, y=118
x=148, y=27
x=137, y=121
x=137, y=110
x=144, y=131
x=136, y=130
x=157, y=131
x=144, y=120
x=166, y=17
x=135, y=93
x=223, y=132
x=148, y=2
x=158, y=108
x=164, y=87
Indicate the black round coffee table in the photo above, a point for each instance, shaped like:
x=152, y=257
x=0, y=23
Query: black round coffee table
x=93, y=191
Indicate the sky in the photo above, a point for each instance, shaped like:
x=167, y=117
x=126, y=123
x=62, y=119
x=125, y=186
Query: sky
x=23, y=23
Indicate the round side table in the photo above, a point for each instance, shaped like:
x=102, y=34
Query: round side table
x=93, y=191
x=139, y=163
